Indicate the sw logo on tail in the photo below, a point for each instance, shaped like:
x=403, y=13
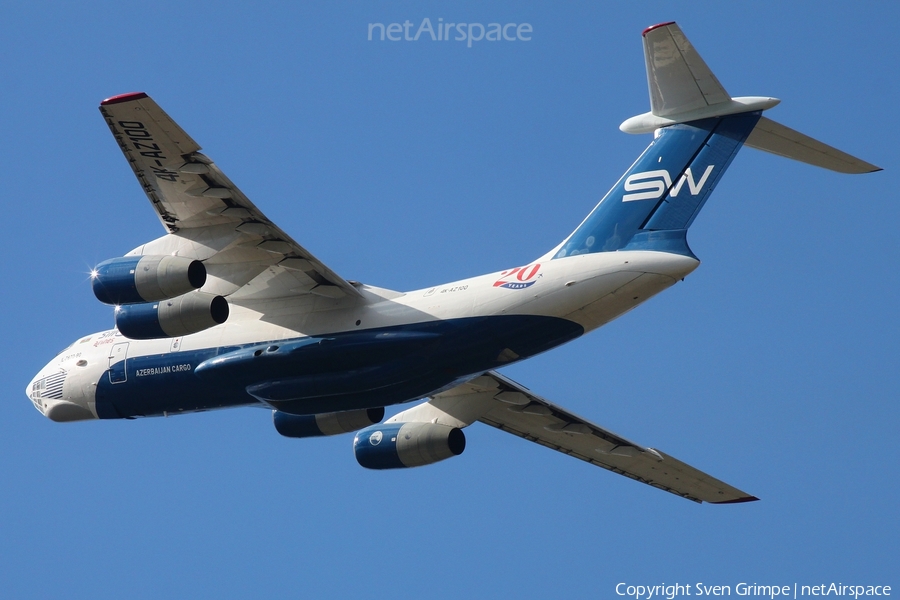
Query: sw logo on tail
x=657, y=182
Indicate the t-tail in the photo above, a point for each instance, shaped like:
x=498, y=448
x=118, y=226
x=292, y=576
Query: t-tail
x=698, y=129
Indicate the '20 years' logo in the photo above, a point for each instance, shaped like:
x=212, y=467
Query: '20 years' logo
x=519, y=278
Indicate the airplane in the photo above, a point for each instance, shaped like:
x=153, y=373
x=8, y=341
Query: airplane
x=227, y=310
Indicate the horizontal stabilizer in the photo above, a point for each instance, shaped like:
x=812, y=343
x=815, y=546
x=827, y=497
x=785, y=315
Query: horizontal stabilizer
x=776, y=138
x=677, y=76
x=683, y=89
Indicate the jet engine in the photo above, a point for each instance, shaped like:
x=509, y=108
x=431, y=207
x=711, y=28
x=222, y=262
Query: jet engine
x=399, y=445
x=134, y=279
x=183, y=315
x=299, y=426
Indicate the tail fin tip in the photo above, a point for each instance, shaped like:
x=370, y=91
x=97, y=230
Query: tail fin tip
x=657, y=26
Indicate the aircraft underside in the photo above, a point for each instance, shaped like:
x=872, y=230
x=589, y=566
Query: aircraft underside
x=338, y=372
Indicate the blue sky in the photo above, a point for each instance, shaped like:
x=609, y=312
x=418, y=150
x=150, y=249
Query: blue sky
x=406, y=164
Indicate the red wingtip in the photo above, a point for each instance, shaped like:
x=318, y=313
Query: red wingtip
x=124, y=98
x=652, y=27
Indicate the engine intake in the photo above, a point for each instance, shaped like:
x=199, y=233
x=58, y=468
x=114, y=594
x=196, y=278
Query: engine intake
x=135, y=279
x=399, y=445
x=300, y=426
x=183, y=315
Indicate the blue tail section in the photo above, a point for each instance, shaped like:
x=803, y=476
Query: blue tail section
x=653, y=204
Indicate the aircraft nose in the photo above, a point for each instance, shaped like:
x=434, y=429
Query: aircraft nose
x=46, y=387
x=30, y=392
x=47, y=392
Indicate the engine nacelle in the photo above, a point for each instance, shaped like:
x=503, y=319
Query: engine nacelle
x=183, y=315
x=134, y=279
x=300, y=426
x=399, y=445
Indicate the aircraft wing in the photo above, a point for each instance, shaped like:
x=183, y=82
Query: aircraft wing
x=206, y=216
x=502, y=403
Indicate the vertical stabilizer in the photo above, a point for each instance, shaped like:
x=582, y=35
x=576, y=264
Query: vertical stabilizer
x=698, y=129
x=663, y=190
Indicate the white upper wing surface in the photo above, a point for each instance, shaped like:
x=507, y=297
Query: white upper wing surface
x=502, y=403
x=207, y=217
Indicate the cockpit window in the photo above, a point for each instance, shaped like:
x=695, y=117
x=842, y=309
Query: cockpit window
x=66, y=348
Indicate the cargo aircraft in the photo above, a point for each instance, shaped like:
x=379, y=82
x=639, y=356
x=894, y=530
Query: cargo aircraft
x=227, y=310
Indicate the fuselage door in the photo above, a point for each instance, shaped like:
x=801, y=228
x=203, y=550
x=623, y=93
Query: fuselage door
x=117, y=362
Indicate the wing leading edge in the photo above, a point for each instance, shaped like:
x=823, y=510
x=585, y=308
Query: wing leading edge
x=206, y=216
x=502, y=403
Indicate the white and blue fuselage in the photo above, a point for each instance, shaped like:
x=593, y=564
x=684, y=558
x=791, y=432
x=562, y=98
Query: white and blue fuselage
x=324, y=357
